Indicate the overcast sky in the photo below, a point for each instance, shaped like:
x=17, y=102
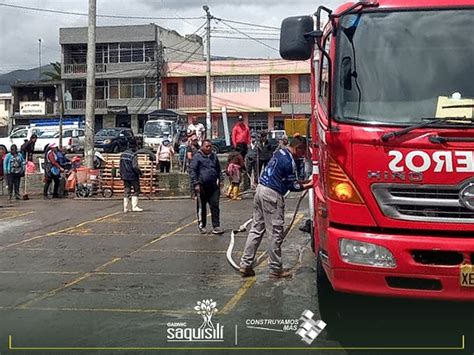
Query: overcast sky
x=21, y=29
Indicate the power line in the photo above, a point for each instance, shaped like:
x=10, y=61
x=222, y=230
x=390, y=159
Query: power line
x=185, y=60
x=249, y=24
x=246, y=35
x=245, y=38
x=267, y=35
x=98, y=15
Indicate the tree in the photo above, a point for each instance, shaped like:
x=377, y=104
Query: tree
x=55, y=73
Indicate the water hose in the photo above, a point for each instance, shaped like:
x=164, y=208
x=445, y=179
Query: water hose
x=262, y=256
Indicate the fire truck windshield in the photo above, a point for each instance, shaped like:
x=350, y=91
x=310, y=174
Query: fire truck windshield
x=396, y=67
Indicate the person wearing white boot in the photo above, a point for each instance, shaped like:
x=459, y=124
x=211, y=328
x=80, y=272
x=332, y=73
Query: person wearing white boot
x=130, y=174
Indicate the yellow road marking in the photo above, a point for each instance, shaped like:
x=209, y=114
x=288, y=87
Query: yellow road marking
x=17, y=215
x=101, y=267
x=79, y=231
x=238, y=296
x=251, y=281
x=87, y=309
x=57, y=232
x=12, y=272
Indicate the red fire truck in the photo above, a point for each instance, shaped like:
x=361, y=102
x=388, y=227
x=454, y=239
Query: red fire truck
x=392, y=148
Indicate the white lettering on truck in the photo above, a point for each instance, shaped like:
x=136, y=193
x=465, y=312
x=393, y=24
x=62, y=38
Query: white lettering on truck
x=443, y=161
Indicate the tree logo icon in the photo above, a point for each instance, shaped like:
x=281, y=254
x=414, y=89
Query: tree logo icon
x=206, y=308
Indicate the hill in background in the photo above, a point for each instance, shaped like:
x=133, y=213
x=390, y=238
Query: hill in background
x=22, y=75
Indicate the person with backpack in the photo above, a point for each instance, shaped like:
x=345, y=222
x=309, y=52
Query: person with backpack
x=52, y=171
x=14, y=169
x=164, y=155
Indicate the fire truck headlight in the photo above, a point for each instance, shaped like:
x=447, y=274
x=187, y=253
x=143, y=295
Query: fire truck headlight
x=362, y=253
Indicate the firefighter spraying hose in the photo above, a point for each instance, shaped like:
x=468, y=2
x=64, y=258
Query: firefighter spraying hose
x=262, y=256
x=276, y=180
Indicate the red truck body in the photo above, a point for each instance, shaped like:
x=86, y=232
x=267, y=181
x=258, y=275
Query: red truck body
x=394, y=215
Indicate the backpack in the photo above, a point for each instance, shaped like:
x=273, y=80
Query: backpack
x=16, y=167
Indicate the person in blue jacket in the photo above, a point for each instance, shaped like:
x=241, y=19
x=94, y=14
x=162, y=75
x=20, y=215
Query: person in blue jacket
x=14, y=169
x=279, y=177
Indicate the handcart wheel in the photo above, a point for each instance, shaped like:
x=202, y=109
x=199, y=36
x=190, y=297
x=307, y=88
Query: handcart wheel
x=82, y=192
x=107, y=192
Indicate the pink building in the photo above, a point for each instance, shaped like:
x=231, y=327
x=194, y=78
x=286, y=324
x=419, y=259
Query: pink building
x=264, y=92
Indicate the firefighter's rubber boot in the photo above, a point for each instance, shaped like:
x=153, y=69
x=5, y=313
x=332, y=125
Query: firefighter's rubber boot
x=126, y=204
x=236, y=193
x=135, y=207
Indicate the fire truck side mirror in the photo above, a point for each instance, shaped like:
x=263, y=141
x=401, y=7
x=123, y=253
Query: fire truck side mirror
x=295, y=44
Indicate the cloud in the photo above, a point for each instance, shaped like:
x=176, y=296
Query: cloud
x=20, y=29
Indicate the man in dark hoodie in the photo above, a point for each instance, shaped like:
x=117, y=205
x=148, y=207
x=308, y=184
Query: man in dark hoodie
x=206, y=178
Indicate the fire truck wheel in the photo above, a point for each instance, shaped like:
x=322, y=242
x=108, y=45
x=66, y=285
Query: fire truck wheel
x=333, y=306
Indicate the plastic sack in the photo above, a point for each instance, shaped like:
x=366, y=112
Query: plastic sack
x=71, y=182
x=30, y=167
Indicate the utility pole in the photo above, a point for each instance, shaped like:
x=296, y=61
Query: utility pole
x=208, y=73
x=39, y=54
x=59, y=93
x=159, y=68
x=90, y=87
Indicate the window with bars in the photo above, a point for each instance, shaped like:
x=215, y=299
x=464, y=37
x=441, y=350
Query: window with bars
x=237, y=83
x=195, y=86
x=113, y=53
x=113, y=89
x=305, y=83
x=125, y=52
x=258, y=125
x=135, y=52
x=150, y=88
x=138, y=88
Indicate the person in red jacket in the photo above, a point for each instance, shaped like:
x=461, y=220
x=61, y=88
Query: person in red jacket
x=241, y=137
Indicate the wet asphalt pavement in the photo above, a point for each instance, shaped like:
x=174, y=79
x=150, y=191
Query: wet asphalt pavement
x=79, y=276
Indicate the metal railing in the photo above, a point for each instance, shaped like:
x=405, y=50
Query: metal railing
x=277, y=99
x=185, y=101
x=81, y=104
x=82, y=68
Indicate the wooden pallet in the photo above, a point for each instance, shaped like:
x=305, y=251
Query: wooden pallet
x=113, y=181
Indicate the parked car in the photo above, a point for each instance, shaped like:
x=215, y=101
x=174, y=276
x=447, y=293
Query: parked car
x=219, y=146
x=18, y=137
x=114, y=140
x=73, y=140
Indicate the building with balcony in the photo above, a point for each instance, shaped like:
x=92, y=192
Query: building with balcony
x=264, y=92
x=34, y=100
x=128, y=65
x=5, y=105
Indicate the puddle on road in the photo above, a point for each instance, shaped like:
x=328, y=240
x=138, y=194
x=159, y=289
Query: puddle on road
x=9, y=225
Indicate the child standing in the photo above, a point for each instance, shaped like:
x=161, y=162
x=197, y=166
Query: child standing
x=235, y=165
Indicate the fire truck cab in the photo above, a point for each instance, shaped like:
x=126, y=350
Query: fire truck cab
x=393, y=147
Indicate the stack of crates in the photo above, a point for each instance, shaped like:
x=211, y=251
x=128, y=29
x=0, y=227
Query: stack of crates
x=111, y=174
